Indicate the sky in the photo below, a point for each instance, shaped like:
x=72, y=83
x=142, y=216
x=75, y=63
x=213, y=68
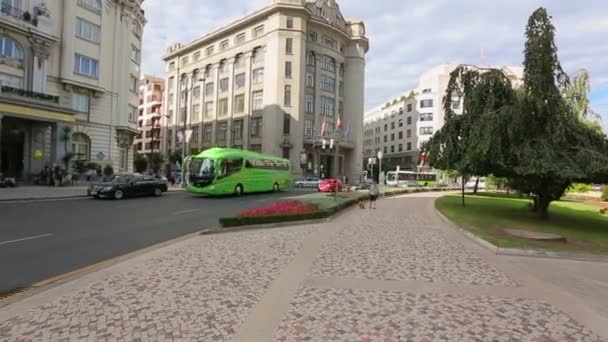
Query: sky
x=408, y=37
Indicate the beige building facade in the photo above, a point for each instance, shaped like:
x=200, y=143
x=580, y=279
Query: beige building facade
x=402, y=125
x=68, y=66
x=270, y=82
x=150, y=115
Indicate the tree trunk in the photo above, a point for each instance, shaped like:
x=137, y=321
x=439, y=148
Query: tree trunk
x=542, y=207
x=476, y=186
x=463, y=178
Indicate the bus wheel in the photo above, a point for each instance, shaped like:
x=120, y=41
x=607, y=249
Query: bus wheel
x=275, y=187
x=238, y=190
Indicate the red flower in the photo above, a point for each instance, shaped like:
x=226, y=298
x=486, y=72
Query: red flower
x=279, y=208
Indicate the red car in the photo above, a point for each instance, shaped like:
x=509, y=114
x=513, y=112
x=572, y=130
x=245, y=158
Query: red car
x=330, y=185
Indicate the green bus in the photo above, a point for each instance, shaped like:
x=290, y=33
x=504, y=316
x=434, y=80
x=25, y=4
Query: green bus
x=222, y=171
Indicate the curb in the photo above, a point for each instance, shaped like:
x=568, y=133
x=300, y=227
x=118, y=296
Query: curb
x=522, y=252
x=30, y=199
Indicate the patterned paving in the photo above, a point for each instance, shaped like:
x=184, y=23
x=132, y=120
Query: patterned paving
x=400, y=248
x=358, y=315
x=202, y=289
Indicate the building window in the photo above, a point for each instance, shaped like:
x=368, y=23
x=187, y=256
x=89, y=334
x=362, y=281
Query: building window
x=222, y=129
x=313, y=36
x=409, y=120
x=224, y=45
x=289, y=46
x=426, y=91
x=208, y=109
x=257, y=100
x=392, y=136
x=80, y=102
x=288, y=69
x=256, y=127
x=400, y=147
x=310, y=80
x=289, y=22
x=385, y=149
x=330, y=42
x=392, y=148
x=426, y=117
x=286, y=153
x=11, y=81
x=400, y=134
x=287, y=96
x=409, y=146
x=87, y=30
x=81, y=146
x=426, y=130
x=209, y=89
x=196, y=92
x=207, y=133
x=132, y=113
x=258, y=31
x=400, y=111
x=133, y=83
x=328, y=84
x=327, y=63
x=426, y=103
x=209, y=51
x=239, y=81
x=11, y=50
x=171, y=66
x=400, y=122
x=239, y=103
x=310, y=59
x=286, y=124
x=409, y=107
x=257, y=75
x=258, y=56
x=385, y=127
x=310, y=104
x=196, y=113
x=393, y=125
x=222, y=107
x=341, y=89
x=328, y=106
x=197, y=56
x=86, y=66
x=237, y=130
x=170, y=84
x=240, y=39
x=308, y=128
x=386, y=138
x=91, y=5
x=224, y=85
x=185, y=60
x=455, y=103
x=409, y=133
x=135, y=54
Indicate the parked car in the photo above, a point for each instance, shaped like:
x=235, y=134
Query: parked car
x=128, y=186
x=310, y=182
x=330, y=185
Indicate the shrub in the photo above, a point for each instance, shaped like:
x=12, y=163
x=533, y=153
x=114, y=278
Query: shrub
x=605, y=193
x=108, y=170
x=140, y=163
x=579, y=188
x=80, y=166
x=279, y=208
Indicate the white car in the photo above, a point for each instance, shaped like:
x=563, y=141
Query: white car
x=471, y=183
x=310, y=182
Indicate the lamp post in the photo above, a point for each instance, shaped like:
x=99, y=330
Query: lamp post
x=380, y=155
x=188, y=88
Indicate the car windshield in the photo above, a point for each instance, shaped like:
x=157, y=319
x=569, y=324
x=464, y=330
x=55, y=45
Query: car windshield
x=202, y=167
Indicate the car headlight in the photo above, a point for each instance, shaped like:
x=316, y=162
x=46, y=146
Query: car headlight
x=107, y=188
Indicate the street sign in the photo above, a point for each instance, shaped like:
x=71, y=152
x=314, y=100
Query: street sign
x=188, y=135
x=371, y=161
x=380, y=155
x=101, y=156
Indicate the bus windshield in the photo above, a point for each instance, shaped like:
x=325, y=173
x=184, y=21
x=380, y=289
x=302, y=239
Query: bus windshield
x=202, y=168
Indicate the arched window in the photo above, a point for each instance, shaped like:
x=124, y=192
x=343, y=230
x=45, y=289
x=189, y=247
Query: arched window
x=10, y=49
x=81, y=146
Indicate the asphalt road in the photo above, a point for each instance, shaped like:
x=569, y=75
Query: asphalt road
x=39, y=240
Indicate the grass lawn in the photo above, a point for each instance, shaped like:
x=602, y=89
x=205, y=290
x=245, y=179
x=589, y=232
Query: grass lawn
x=487, y=215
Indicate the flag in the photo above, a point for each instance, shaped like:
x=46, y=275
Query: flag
x=338, y=123
x=323, y=127
x=347, y=133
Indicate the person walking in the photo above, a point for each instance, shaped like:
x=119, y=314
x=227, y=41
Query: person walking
x=374, y=191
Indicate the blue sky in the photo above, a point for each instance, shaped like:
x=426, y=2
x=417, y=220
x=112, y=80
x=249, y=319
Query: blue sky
x=408, y=37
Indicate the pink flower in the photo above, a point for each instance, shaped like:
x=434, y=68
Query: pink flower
x=279, y=208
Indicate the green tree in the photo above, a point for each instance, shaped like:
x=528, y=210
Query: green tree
x=155, y=161
x=576, y=95
x=140, y=163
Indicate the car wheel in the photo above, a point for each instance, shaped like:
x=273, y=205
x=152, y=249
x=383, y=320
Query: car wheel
x=118, y=194
x=238, y=190
x=275, y=187
x=158, y=192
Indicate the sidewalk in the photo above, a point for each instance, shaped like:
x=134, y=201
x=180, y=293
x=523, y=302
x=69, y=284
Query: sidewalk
x=23, y=193
x=394, y=274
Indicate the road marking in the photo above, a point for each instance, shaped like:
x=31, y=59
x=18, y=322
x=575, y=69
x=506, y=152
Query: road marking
x=185, y=211
x=27, y=238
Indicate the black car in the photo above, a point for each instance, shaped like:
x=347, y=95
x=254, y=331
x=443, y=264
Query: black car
x=128, y=186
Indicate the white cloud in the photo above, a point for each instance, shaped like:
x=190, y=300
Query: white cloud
x=408, y=37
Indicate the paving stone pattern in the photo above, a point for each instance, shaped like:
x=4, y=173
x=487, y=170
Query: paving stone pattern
x=200, y=290
x=400, y=248
x=360, y=315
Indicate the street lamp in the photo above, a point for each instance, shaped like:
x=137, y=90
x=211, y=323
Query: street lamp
x=188, y=88
x=380, y=155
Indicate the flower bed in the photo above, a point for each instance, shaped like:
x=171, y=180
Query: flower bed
x=279, y=208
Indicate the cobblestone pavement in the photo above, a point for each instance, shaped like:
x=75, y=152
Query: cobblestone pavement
x=398, y=273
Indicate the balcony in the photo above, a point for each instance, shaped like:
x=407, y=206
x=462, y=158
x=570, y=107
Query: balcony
x=7, y=91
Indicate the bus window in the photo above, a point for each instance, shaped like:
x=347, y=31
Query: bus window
x=407, y=176
x=230, y=166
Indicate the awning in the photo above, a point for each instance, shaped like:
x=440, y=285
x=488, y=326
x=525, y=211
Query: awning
x=36, y=113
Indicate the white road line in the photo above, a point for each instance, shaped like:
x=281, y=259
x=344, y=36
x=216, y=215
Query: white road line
x=27, y=238
x=185, y=211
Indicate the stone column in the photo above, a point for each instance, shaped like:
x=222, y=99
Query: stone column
x=41, y=51
x=248, y=105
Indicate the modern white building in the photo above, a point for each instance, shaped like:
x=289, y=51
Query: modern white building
x=269, y=82
x=151, y=95
x=74, y=64
x=402, y=125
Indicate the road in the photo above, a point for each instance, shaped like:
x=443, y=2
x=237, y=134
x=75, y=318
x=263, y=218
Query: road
x=39, y=240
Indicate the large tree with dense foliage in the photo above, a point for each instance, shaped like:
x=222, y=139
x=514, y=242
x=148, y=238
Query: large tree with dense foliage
x=530, y=135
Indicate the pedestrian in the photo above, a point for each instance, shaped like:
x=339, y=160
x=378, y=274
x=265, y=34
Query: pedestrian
x=373, y=194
